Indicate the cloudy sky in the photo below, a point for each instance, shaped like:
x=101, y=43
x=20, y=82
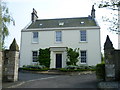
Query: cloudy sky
x=21, y=11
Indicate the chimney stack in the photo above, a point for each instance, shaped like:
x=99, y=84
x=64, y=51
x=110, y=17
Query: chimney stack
x=34, y=15
x=93, y=12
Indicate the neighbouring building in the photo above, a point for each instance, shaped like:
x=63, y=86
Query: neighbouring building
x=58, y=34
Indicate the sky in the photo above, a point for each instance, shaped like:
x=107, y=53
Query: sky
x=21, y=11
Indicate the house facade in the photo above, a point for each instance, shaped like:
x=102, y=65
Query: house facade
x=58, y=34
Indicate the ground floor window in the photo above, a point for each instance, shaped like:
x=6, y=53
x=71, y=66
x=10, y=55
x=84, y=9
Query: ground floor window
x=35, y=56
x=83, y=56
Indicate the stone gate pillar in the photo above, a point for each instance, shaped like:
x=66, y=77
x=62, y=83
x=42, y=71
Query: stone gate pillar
x=109, y=60
x=0, y=70
x=10, y=63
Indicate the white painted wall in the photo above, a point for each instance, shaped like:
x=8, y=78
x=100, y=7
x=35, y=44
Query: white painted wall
x=118, y=41
x=70, y=38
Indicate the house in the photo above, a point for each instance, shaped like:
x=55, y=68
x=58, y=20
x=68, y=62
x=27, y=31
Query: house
x=58, y=34
x=118, y=41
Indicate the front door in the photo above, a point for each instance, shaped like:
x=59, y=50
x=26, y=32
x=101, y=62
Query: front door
x=58, y=60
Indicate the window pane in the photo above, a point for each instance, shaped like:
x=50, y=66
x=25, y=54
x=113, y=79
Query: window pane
x=58, y=36
x=83, y=56
x=82, y=35
x=35, y=55
x=35, y=37
x=35, y=34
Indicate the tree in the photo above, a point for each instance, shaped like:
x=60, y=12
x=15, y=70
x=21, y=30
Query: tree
x=102, y=58
x=114, y=6
x=0, y=27
x=6, y=20
x=72, y=56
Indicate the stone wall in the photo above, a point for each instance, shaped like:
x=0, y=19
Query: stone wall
x=10, y=63
x=116, y=58
x=0, y=70
x=112, y=61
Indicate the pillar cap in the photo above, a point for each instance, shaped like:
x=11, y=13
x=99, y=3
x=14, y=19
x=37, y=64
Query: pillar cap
x=108, y=44
x=14, y=46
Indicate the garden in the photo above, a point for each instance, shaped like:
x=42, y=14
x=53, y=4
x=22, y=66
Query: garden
x=72, y=59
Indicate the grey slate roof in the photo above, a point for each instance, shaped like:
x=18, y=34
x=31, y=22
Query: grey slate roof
x=68, y=22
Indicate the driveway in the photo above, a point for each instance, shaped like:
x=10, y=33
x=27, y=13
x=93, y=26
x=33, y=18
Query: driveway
x=29, y=80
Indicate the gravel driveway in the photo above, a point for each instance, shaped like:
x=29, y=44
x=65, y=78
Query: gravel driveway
x=30, y=80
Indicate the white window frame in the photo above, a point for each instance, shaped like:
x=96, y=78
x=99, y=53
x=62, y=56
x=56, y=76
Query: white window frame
x=58, y=39
x=34, y=56
x=83, y=57
x=35, y=39
x=83, y=36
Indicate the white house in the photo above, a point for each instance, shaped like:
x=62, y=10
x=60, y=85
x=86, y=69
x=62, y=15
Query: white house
x=57, y=34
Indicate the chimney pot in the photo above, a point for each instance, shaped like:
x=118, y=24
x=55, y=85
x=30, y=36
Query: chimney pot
x=93, y=12
x=34, y=15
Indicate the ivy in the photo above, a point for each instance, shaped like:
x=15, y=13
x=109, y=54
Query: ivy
x=44, y=57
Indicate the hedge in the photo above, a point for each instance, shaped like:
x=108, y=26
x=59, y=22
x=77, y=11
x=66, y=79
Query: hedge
x=100, y=71
x=33, y=69
x=75, y=70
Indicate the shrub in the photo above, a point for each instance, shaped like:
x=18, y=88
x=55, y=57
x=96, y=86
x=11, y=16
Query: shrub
x=71, y=67
x=34, y=66
x=100, y=71
x=78, y=68
x=72, y=56
x=33, y=69
x=74, y=70
x=44, y=57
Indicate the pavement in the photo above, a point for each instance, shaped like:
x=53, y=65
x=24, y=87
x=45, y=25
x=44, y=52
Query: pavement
x=113, y=85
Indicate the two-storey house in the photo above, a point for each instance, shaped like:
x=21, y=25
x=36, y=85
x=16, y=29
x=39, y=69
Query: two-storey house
x=58, y=34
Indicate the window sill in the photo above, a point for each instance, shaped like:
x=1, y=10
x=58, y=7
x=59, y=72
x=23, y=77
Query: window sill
x=34, y=42
x=83, y=63
x=83, y=42
x=58, y=42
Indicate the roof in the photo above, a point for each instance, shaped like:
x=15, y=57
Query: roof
x=63, y=22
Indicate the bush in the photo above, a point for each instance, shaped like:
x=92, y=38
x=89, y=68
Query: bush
x=72, y=56
x=34, y=66
x=100, y=71
x=71, y=67
x=34, y=69
x=44, y=57
x=75, y=70
x=80, y=67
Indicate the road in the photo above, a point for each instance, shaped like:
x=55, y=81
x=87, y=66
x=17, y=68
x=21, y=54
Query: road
x=56, y=81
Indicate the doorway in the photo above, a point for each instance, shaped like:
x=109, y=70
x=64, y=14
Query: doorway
x=58, y=60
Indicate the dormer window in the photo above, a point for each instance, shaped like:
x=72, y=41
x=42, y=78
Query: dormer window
x=61, y=23
x=41, y=24
x=82, y=22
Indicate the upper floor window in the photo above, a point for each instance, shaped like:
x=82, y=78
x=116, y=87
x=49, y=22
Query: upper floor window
x=58, y=36
x=35, y=56
x=83, y=57
x=35, y=37
x=82, y=35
